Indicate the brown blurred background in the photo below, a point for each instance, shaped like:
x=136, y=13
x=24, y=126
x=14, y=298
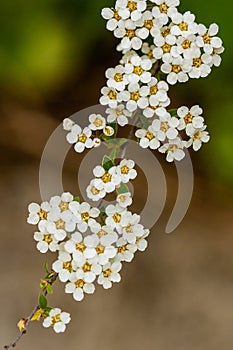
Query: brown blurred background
x=179, y=294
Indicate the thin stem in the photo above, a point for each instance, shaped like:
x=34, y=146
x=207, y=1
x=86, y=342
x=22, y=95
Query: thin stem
x=29, y=318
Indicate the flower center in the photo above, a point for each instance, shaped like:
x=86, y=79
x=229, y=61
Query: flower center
x=107, y=273
x=79, y=284
x=163, y=8
x=87, y=267
x=95, y=191
x=81, y=247
x=82, y=138
x=85, y=216
x=100, y=249
x=102, y=233
x=172, y=148
x=98, y=122
x=135, y=96
x=56, y=319
x=118, y=77
x=165, y=32
x=166, y=48
x=153, y=90
x=117, y=16
x=48, y=238
x=117, y=218
x=119, y=111
x=197, y=62
x=60, y=224
x=130, y=33
x=164, y=126
x=206, y=38
x=149, y=135
x=186, y=44
x=197, y=136
x=112, y=95
x=132, y=6
x=122, y=249
x=64, y=206
x=125, y=170
x=43, y=214
x=176, y=68
x=129, y=228
x=106, y=178
x=148, y=24
x=122, y=198
x=188, y=118
x=183, y=26
x=67, y=265
x=138, y=70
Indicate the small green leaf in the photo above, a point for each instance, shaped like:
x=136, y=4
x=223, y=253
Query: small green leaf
x=42, y=301
x=173, y=112
x=49, y=289
x=113, y=153
x=77, y=199
x=122, y=189
x=46, y=266
x=107, y=163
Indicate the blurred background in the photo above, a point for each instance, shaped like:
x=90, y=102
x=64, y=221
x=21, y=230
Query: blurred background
x=178, y=295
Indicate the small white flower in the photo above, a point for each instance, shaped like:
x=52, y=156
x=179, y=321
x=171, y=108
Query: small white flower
x=61, y=203
x=125, y=251
x=165, y=126
x=64, y=266
x=80, y=248
x=216, y=58
x=197, y=136
x=59, y=223
x=207, y=38
x=85, y=215
x=199, y=66
x=57, y=319
x=113, y=18
x=68, y=124
x=38, y=212
x=107, y=181
x=164, y=10
x=147, y=49
x=81, y=138
x=110, y=275
x=135, y=97
x=138, y=70
x=94, y=193
x=97, y=122
x=131, y=9
x=110, y=236
x=163, y=46
x=91, y=269
x=124, y=199
x=184, y=24
x=148, y=138
x=116, y=78
x=115, y=214
x=149, y=25
x=174, y=149
x=46, y=241
x=109, y=131
x=128, y=32
x=96, y=142
x=190, y=116
x=131, y=228
x=141, y=243
x=110, y=97
x=126, y=170
x=119, y=115
x=78, y=285
x=177, y=70
x=103, y=247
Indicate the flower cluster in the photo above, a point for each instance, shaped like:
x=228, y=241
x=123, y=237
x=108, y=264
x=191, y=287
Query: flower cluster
x=91, y=243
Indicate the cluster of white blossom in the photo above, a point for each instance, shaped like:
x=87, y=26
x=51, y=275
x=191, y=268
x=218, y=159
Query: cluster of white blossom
x=91, y=244
x=161, y=47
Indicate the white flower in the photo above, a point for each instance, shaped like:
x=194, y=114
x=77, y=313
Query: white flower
x=138, y=70
x=197, y=136
x=125, y=251
x=184, y=25
x=131, y=9
x=68, y=124
x=113, y=18
x=119, y=115
x=94, y=193
x=80, y=248
x=107, y=181
x=116, y=78
x=199, y=66
x=91, y=269
x=135, y=97
x=38, y=212
x=131, y=228
x=115, y=214
x=190, y=116
x=163, y=46
x=110, y=97
x=149, y=25
x=126, y=58
x=129, y=34
x=97, y=122
x=177, y=70
x=207, y=38
x=216, y=58
x=165, y=126
x=78, y=285
x=109, y=131
x=148, y=138
x=147, y=49
x=61, y=203
x=103, y=247
x=64, y=266
x=96, y=142
x=184, y=46
x=105, y=231
x=126, y=170
x=110, y=275
x=124, y=199
x=46, y=241
x=85, y=215
x=61, y=222
x=57, y=319
x=141, y=243
x=81, y=138
x=164, y=10
x=174, y=149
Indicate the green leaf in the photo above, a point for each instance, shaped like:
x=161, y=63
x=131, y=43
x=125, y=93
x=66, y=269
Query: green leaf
x=49, y=289
x=173, y=112
x=107, y=163
x=122, y=189
x=42, y=301
x=113, y=153
x=46, y=266
x=77, y=199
